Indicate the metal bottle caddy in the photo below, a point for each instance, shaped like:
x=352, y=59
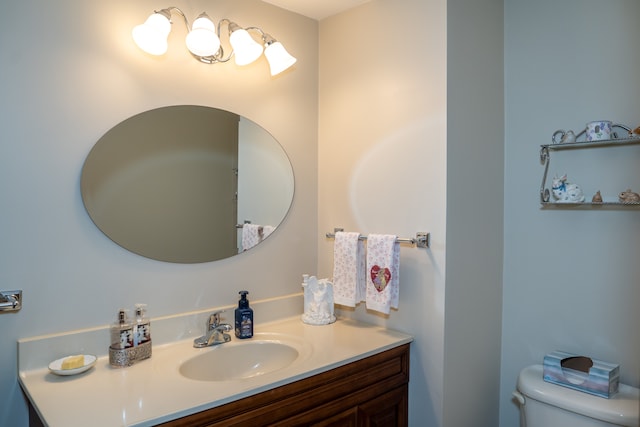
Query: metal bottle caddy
x=123, y=357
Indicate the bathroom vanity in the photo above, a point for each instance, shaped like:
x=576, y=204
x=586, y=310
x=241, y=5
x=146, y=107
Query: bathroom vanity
x=372, y=391
x=346, y=373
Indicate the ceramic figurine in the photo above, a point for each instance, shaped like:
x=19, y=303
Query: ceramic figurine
x=565, y=192
x=629, y=196
x=569, y=137
x=318, y=301
x=597, y=198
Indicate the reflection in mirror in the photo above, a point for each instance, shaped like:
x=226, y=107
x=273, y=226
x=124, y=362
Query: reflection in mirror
x=172, y=183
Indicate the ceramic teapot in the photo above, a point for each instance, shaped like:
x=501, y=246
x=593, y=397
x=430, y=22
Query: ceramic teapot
x=598, y=130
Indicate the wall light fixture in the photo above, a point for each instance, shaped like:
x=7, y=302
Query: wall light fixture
x=204, y=42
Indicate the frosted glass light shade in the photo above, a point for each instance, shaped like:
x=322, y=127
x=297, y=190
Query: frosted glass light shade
x=202, y=40
x=278, y=57
x=245, y=48
x=152, y=35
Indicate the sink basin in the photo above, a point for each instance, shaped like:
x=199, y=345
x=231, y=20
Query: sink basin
x=240, y=359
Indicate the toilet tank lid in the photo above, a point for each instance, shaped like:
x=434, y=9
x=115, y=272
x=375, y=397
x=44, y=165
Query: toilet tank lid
x=622, y=409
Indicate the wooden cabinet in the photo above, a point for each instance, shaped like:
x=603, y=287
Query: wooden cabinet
x=369, y=392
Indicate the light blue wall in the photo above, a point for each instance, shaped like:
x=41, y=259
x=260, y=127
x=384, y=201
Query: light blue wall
x=475, y=177
x=570, y=276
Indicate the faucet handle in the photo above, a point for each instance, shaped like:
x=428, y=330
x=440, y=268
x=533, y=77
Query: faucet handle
x=214, y=319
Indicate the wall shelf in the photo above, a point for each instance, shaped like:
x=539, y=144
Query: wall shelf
x=545, y=158
x=592, y=144
x=603, y=205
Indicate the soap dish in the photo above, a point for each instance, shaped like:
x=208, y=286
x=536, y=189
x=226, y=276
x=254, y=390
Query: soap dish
x=56, y=366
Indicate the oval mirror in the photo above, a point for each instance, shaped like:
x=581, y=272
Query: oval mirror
x=178, y=183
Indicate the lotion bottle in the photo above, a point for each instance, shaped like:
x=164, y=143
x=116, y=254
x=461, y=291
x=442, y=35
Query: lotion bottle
x=142, y=327
x=122, y=331
x=244, y=317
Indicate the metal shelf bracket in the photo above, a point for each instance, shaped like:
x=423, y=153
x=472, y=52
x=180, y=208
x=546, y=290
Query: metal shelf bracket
x=10, y=301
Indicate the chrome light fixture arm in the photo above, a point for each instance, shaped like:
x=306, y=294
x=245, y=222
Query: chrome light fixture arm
x=219, y=56
x=167, y=12
x=211, y=59
x=231, y=27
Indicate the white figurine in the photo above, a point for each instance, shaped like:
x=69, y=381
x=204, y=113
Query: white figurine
x=318, y=301
x=565, y=192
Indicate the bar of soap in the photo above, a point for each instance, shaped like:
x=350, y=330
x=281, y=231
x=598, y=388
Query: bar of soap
x=73, y=362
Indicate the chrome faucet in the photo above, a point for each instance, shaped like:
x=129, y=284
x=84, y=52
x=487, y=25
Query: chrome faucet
x=215, y=332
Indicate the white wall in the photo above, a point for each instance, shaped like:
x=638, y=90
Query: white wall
x=570, y=276
x=382, y=163
x=411, y=139
x=70, y=72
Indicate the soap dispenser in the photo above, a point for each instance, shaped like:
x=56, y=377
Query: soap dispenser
x=142, y=327
x=244, y=317
x=122, y=331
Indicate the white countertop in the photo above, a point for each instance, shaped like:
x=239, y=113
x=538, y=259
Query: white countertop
x=154, y=391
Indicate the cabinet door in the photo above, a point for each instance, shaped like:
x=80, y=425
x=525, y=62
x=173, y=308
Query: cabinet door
x=347, y=418
x=387, y=410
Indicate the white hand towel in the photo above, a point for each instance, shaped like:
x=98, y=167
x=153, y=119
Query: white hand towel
x=250, y=235
x=383, y=268
x=349, y=284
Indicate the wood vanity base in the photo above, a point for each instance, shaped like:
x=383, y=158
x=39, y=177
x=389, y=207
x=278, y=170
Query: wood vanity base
x=369, y=392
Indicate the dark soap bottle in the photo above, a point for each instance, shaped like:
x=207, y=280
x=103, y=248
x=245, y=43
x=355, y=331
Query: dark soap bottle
x=244, y=317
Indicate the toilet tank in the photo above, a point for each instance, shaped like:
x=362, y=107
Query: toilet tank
x=543, y=404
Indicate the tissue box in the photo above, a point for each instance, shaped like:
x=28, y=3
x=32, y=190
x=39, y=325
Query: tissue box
x=581, y=373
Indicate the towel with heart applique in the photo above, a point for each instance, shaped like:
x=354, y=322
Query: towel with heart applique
x=348, y=269
x=383, y=268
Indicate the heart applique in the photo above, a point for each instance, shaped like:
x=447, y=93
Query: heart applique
x=380, y=277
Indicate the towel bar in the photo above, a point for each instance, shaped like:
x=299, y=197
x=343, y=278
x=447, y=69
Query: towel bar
x=248, y=222
x=422, y=239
